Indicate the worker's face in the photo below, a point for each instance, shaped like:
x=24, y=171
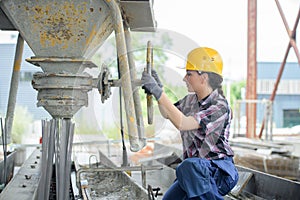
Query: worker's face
x=194, y=80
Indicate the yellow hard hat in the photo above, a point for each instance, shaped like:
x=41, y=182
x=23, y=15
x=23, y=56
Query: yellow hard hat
x=204, y=59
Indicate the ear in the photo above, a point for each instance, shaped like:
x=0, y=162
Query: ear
x=204, y=77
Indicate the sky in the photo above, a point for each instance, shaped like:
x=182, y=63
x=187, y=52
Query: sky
x=222, y=25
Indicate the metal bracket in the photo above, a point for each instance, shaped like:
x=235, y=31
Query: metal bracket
x=104, y=84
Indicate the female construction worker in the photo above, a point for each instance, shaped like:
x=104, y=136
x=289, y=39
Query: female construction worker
x=203, y=118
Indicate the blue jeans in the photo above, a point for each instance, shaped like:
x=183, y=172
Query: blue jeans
x=203, y=179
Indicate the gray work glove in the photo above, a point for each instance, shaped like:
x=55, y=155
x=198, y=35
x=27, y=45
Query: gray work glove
x=155, y=76
x=151, y=86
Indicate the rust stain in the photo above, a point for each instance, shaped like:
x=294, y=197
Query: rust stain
x=131, y=119
x=91, y=36
x=17, y=65
x=59, y=24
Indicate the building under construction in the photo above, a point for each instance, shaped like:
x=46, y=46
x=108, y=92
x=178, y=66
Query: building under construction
x=64, y=37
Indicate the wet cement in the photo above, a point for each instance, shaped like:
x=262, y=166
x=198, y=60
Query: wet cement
x=111, y=186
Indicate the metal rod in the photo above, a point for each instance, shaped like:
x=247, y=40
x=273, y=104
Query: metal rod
x=290, y=33
x=143, y=171
x=4, y=143
x=70, y=128
x=51, y=127
x=14, y=83
x=57, y=158
x=124, y=152
x=41, y=186
x=63, y=134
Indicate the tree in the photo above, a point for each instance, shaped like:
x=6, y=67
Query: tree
x=21, y=124
x=236, y=91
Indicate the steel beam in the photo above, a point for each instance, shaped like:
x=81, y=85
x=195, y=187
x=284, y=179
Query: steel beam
x=14, y=84
x=251, y=70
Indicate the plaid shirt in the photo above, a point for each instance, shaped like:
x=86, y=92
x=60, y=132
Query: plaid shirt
x=210, y=141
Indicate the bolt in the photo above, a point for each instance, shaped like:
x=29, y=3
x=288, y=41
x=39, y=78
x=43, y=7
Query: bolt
x=27, y=177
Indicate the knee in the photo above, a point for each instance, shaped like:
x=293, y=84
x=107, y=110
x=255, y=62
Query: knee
x=192, y=162
x=192, y=167
x=186, y=163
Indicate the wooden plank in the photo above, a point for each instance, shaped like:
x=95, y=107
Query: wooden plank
x=244, y=178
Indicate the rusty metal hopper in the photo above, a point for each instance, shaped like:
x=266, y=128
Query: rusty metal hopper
x=73, y=29
x=62, y=35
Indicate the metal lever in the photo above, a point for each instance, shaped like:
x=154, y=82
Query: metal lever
x=149, y=66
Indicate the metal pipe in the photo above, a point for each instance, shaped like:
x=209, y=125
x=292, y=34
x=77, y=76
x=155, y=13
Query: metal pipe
x=251, y=69
x=125, y=76
x=4, y=145
x=143, y=171
x=14, y=83
x=290, y=33
x=136, y=96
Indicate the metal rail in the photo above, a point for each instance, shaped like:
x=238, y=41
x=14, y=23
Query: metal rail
x=14, y=84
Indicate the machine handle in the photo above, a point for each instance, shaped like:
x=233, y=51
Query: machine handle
x=149, y=97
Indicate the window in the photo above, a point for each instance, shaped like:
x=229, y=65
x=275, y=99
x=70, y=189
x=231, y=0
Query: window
x=291, y=118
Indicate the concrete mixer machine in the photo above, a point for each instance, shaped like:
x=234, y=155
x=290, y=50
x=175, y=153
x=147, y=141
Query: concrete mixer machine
x=63, y=36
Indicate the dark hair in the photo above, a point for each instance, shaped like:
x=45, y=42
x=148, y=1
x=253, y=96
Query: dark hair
x=215, y=81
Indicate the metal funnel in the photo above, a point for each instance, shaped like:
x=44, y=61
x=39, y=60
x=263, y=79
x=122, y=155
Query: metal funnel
x=58, y=28
x=62, y=35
